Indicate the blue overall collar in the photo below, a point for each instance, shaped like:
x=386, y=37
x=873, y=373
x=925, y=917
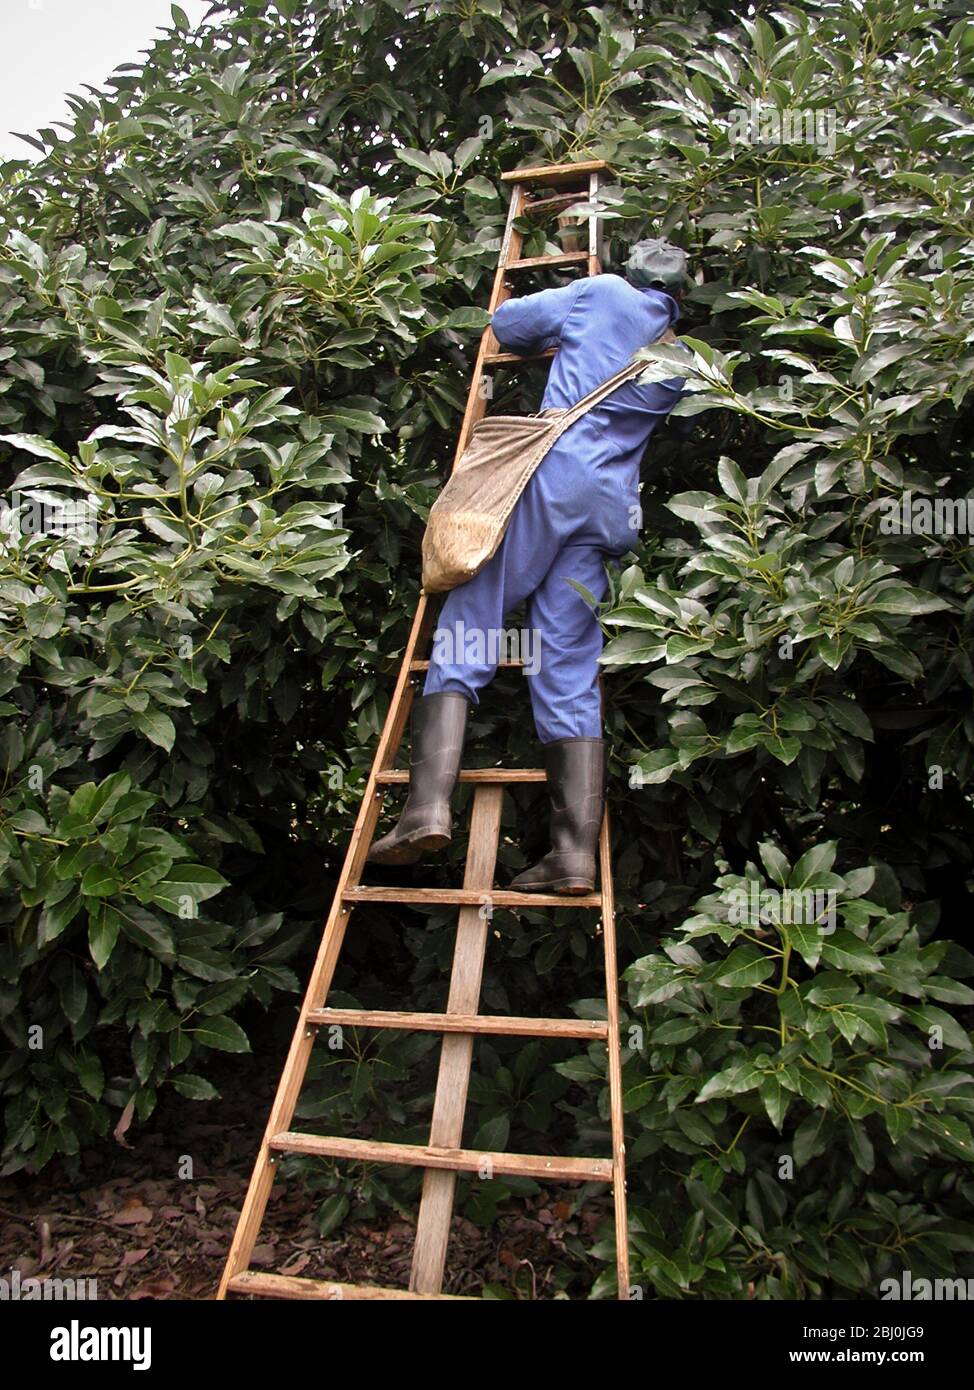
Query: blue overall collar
x=671, y=304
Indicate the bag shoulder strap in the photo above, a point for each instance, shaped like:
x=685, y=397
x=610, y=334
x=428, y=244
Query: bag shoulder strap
x=630, y=370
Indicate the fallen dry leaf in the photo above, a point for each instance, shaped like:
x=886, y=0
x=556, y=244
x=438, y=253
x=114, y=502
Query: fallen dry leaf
x=133, y=1213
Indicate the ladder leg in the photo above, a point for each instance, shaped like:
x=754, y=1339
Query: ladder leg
x=292, y=1077
x=615, y=1061
x=282, y=1111
x=436, y=1206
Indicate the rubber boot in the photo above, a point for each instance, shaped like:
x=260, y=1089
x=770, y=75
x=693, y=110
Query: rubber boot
x=576, y=791
x=438, y=725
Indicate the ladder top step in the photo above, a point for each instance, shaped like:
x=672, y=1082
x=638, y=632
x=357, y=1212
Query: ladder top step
x=560, y=1169
x=469, y=897
x=287, y=1286
x=461, y=1023
x=556, y=173
x=559, y=258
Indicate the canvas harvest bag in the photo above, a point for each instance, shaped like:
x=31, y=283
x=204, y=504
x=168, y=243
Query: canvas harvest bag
x=467, y=521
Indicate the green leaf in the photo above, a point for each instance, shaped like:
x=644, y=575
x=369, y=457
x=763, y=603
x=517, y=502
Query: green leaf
x=187, y=884
x=744, y=967
x=157, y=727
x=676, y=1030
x=712, y=1204
x=332, y=1213
x=846, y=952
x=732, y=480
x=99, y=881
x=90, y=1073
x=418, y=159
x=197, y=1087
x=861, y=1146
x=465, y=318
x=774, y=862
x=103, y=928
x=811, y=1137
x=813, y=864
x=492, y=1136
x=776, y=1100
x=220, y=1033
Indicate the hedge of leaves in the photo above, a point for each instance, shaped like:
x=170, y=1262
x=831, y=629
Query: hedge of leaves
x=238, y=300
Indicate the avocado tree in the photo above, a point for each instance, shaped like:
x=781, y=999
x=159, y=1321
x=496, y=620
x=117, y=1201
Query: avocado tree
x=238, y=299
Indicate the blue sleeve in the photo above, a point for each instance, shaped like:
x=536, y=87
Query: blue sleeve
x=534, y=322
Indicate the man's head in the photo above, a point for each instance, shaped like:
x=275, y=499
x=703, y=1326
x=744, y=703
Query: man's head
x=656, y=263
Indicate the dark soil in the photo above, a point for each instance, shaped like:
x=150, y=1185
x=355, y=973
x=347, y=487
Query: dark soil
x=133, y=1218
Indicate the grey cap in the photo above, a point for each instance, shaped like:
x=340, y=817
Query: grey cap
x=656, y=263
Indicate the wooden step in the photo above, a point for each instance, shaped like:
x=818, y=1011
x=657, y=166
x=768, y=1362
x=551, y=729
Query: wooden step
x=559, y=258
x=493, y=359
x=555, y=202
x=287, y=1286
x=456, y=1160
x=468, y=897
x=497, y=1024
x=558, y=174
x=511, y=663
x=394, y=776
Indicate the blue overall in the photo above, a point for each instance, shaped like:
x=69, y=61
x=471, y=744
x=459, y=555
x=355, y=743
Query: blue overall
x=580, y=506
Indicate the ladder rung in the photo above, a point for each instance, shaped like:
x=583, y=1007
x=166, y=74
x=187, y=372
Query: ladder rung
x=534, y=207
x=559, y=258
x=473, y=774
x=462, y=1023
x=424, y=665
x=457, y=1160
x=469, y=897
x=287, y=1286
x=557, y=173
x=493, y=358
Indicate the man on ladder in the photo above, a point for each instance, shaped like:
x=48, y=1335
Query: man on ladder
x=580, y=506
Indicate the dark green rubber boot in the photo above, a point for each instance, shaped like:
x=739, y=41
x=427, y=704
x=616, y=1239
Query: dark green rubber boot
x=438, y=725
x=576, y=790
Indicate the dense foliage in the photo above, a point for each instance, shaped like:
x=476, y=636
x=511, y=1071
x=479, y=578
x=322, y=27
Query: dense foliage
x=237, y=303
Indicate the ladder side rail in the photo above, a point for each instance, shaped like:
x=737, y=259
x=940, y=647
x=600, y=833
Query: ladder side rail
x=614, y=1045
x=299, y=1053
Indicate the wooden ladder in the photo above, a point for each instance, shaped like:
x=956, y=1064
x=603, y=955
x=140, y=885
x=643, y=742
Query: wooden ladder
x=443, y=1158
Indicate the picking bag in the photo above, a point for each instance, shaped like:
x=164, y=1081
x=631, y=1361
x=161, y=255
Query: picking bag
x=467, y=521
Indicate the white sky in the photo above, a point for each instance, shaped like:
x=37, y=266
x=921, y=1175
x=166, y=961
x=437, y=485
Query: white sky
x=49, y=48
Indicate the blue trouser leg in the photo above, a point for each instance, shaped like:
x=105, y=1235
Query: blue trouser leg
x=565, y=694
x=534, y=562
x=475, y=611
